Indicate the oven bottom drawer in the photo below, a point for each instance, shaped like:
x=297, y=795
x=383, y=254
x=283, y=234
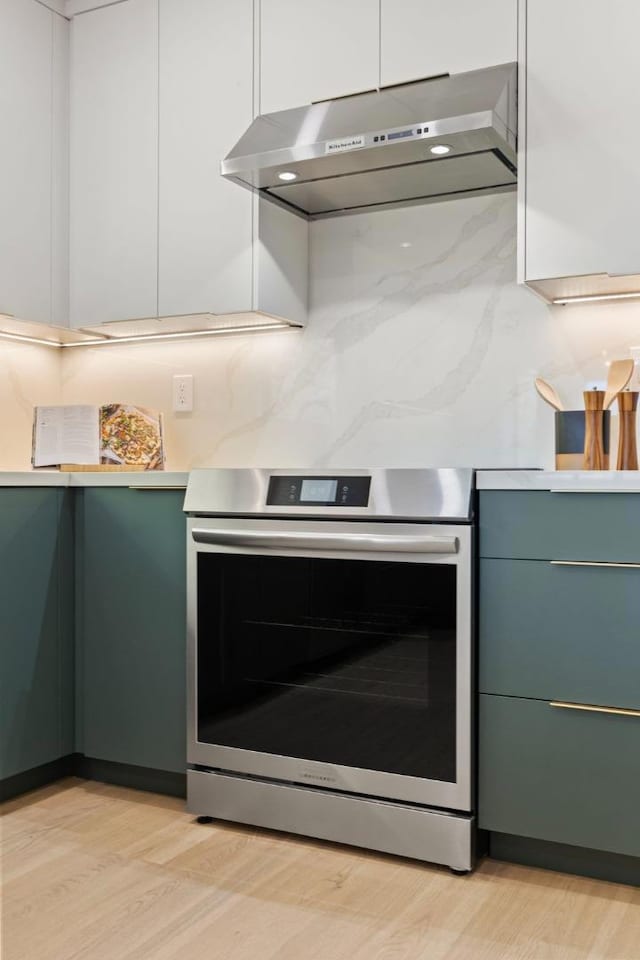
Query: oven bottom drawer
x=416, y=832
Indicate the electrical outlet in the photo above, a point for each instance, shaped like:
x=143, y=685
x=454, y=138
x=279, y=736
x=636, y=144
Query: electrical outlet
x=183, y=393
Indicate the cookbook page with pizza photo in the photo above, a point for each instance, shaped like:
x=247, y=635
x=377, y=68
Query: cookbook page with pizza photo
x=116, y=436
x=131, y=435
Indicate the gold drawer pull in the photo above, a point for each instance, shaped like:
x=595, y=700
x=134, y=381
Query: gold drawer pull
x=593, y=563
x=158, y=486
x=591, y=708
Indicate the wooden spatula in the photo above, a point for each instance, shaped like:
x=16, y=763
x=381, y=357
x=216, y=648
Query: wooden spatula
x=620, y=373
x=548, y=394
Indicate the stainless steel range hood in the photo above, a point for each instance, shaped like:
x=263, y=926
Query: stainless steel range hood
x=374, y=150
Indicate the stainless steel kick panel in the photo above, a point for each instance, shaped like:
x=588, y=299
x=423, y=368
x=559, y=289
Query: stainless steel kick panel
x=408, y=831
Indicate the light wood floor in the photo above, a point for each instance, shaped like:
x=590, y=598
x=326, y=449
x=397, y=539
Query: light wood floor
x=94, y=872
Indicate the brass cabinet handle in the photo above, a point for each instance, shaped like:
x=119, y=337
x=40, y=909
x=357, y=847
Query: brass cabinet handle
x=592, y=490
x=593, y=563
x=159, y=487
x=592, y=708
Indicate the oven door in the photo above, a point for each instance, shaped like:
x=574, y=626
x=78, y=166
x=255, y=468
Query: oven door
x=333, y=654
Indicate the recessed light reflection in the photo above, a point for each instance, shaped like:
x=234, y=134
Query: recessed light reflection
x=405, y=244
x=287, y=175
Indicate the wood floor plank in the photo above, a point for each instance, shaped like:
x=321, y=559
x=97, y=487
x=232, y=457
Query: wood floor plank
x=96, y=872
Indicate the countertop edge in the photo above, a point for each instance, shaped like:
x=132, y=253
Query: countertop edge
x=561, y=481
x=53, y=478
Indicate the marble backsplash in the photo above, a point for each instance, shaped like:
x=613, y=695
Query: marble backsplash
x=29, y=375
x=420, y=350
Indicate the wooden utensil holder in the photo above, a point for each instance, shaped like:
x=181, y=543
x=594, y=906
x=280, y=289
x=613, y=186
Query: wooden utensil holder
x=569, y=438
x=627, y=438
x=595, y=457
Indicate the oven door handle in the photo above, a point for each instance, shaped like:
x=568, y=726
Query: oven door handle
x=385, y=543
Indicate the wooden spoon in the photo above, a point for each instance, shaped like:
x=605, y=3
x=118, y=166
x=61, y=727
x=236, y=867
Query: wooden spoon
x=548, y=394
x=620, y=373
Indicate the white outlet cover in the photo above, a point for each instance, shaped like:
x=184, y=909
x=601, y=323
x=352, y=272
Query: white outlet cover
x=182, y=393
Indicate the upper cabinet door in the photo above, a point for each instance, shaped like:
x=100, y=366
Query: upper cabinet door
x=311, y=50
x=425, y=38
x=581, y=201
x=206, y=104
x=60, y=172
x=27, y=102
x=114, y=163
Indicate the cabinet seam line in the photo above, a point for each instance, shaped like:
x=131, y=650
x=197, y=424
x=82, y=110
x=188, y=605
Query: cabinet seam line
x=158, y=3
x=256, y=60
x=51, y=170
x=379, y=44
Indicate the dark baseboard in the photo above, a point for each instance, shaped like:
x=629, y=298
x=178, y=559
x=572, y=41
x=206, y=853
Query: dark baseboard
x=106, y=771
x=565, y=858
x=40, y=776
x=129, y=775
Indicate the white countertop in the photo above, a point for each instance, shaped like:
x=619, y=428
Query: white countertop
x=581, y=481
x=53, y=478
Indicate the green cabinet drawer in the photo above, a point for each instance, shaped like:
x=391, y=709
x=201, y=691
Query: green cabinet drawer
x=560, y=632
x=561, y=775
x=131, y=626
x=560, y=526
x=36, y=627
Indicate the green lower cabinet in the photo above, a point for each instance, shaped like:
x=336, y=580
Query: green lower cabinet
x=540, y=525
x=552, y=632
x=560, y=775
x=131, y=621
x=36, y=628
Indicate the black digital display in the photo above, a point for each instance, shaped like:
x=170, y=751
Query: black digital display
x=318, y=491
x=400, y=134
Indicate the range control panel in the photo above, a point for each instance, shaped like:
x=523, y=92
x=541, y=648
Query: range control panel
x=318, y=491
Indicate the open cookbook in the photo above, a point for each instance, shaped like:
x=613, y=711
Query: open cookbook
x=117, y=434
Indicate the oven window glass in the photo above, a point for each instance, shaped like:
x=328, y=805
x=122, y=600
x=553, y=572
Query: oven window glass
x=341, y=661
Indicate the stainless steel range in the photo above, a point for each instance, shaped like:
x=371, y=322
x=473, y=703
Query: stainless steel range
x=330, y=656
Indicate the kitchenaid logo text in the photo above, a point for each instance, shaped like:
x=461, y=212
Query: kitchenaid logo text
x=347, y=143
x=314, y=776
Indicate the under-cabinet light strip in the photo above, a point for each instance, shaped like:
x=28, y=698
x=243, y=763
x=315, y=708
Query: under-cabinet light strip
x=598, y=296
x=141, y=338
x=21, y=338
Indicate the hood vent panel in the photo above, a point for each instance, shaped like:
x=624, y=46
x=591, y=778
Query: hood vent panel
x=373, y=150
x=403, y=184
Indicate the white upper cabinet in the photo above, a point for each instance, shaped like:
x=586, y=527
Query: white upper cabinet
x=316, y=49
x=160, y=92
x=33, y=162
x=60, y=172
x=580, y=187
x=114, y=163
x=206, y=104
x=425, y=38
